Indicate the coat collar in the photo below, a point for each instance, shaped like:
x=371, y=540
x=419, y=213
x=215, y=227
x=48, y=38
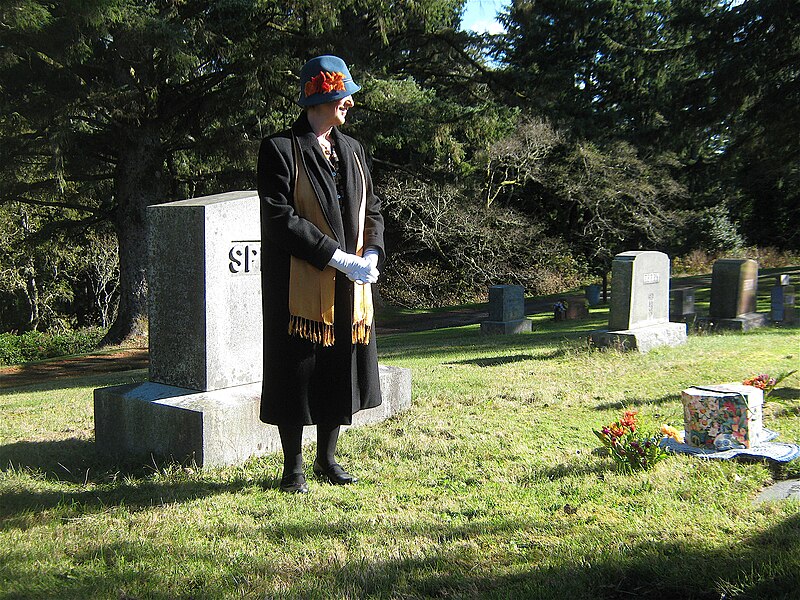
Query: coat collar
x=318, y=169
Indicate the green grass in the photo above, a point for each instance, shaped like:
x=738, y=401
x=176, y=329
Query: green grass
x=488, y=487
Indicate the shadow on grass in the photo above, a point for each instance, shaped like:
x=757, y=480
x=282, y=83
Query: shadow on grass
x=497, y=361
x=78, y=381
x=760, y=567
x=629, y=402
x=764, y=565
x=16, y=506
x=64, y=460
x=103, y=483
x=446, y=342
x=784, y=394
x=576, y=469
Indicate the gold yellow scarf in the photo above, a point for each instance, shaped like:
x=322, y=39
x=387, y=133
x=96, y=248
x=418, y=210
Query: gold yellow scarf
x=311, y=291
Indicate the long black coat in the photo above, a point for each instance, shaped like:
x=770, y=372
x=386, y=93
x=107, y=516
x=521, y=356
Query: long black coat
x=305, y=383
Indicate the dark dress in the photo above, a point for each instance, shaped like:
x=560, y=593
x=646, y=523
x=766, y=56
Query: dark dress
x=305, y=383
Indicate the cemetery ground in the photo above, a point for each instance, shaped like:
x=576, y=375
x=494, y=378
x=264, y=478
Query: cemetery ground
x=488, y=487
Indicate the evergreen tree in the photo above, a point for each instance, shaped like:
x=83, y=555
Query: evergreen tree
x=109, y=106
x=754, y=107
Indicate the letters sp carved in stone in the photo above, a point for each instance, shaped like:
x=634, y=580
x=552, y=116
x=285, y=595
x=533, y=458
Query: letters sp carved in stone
x=245, y=257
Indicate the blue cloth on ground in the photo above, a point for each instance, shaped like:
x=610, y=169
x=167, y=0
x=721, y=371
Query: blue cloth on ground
x=765, y=448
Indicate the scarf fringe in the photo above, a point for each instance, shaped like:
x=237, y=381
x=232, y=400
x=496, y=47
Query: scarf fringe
x=313, y=331
x=320, y=333
x=361, y=333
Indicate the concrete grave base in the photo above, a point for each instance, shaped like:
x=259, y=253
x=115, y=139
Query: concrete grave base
x=506, y=327
x=642, y=339
x=214, y=428
x=744, y=322
x=687, y=318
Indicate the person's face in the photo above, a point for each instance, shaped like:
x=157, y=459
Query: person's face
x=334, y=114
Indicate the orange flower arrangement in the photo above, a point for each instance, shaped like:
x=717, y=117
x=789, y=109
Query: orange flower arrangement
x=324, y=83
x=766, y=383
x=629, y=449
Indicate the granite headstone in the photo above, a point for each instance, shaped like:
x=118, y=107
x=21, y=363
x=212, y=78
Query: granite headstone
x=506, y=310
x=734, y=285
x=639, y=315
x=202, y=401
x=782, y=300
x=681, y=304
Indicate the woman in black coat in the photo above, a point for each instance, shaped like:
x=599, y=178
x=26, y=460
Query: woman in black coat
x=321, y=243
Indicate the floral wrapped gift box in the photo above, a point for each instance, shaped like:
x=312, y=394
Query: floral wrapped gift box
x=722, y=416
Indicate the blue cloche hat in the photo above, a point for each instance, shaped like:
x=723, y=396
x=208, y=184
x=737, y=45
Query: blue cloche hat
x=325, y=79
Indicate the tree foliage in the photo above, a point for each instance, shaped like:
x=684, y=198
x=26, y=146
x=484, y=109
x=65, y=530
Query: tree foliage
x=708, y=86
x=533, y=156
x=111, y=106
x=454, y=247
x=601, y=201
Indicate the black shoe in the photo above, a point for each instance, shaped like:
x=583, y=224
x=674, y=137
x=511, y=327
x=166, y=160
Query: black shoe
x=334, y=473
x=294, y=483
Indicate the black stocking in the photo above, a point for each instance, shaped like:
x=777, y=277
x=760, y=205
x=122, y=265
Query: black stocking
x=292, y=443
x=327, y=438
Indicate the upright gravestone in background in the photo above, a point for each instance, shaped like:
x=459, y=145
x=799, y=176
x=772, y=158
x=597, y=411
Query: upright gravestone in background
x=734, y=284
x=782, y=299
x=639, y=316
x=681, y=304
x=506, y=310
x=202, y=400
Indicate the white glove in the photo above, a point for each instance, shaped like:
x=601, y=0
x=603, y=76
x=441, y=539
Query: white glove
x=372, y=256
x=359, y=270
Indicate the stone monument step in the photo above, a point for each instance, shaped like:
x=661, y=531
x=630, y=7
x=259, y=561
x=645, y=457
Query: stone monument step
x=741, y=323
x=642, y=339
x=211, y=428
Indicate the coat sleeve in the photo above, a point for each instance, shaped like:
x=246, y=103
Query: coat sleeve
x=281, y=226
x=373, y=225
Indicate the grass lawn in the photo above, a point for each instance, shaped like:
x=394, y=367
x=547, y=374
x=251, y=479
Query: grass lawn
x=488, y=487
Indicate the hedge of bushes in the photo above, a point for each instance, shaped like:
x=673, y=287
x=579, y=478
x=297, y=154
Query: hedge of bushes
x=35, y=345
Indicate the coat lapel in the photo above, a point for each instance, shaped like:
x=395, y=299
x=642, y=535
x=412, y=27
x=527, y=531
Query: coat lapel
x=351, y=182
x=321, y=180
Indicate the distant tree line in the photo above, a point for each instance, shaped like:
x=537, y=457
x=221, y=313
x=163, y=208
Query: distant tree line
x=587, y=128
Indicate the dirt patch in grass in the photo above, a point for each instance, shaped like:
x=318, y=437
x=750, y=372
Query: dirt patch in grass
x=124, y=359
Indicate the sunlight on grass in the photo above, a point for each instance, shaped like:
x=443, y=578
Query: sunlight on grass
x=488, y=487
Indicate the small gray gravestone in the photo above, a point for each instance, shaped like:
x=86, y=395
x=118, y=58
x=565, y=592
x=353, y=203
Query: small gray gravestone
x=202, y=401
x=734, y=284
x=570, y=308
x=681, y=304
x=639, y=316
x=593, y=294
x=782, y=298
x=506, y=310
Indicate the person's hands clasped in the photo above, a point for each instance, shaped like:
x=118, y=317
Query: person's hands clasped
x=358, y=269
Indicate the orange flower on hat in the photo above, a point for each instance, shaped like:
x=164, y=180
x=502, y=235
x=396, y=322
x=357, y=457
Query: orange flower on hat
x=324, y=83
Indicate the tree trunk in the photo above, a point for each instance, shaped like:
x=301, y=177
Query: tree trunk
x=139, y=182
x=32, y=295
